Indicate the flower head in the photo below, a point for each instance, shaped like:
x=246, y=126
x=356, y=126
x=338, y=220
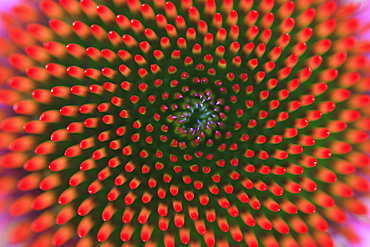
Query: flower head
x=198, y=123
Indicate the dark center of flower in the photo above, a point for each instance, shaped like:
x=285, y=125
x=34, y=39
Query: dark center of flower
x=198, y=115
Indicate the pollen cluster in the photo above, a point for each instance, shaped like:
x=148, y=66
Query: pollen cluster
x=184, y=123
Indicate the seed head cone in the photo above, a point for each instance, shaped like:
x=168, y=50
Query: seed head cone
x=184, y=123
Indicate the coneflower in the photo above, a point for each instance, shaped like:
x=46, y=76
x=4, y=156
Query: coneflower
x=184, y=123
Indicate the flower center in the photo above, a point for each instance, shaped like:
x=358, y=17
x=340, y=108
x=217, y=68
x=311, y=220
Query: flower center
x=198, y=115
